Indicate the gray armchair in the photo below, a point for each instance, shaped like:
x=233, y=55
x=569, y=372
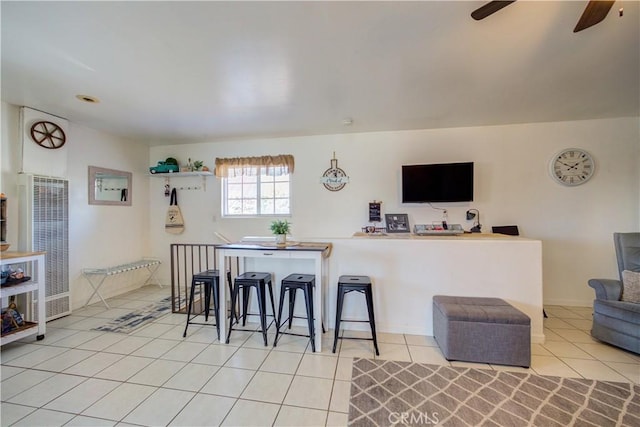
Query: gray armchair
x=618, y=322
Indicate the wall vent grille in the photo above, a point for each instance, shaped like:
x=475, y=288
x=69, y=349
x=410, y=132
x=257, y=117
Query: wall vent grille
x=45, y=209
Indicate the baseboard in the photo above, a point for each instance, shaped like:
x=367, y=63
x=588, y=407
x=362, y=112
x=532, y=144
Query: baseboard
x=537, y=338
x=569, y=302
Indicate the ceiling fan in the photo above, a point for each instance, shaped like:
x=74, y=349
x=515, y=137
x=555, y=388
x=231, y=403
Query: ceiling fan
x=595, y=12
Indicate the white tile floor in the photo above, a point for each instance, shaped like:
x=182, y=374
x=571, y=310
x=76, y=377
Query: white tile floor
x=154, y=377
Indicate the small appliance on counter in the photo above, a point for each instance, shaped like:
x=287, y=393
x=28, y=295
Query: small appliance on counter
x=437, y=229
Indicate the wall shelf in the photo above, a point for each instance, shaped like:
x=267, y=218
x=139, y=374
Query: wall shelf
x=180, y=174
x=167, y=177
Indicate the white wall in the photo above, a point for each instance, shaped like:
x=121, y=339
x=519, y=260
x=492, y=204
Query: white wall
x=10, y=163
x=512, y=187
x=98, y=235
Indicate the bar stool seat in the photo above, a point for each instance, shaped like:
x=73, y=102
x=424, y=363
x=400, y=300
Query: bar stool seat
x=244, y=282
x=362, y=284
x=210, y=280
x=292, y=283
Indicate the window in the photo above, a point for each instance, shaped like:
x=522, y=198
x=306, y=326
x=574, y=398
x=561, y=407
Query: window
x=256, y=194
x=254, y=186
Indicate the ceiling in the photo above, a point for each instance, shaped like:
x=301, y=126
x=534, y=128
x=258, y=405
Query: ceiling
x=184, y=72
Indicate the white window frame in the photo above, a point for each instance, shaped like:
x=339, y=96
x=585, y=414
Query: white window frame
x=258, y=172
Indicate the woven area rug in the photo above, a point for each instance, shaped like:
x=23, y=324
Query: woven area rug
x=131, y=321
x=385, y=393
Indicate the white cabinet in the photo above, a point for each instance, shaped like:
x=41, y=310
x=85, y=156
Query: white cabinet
x=36, y=285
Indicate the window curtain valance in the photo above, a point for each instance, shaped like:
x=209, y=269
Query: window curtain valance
x=271, y=165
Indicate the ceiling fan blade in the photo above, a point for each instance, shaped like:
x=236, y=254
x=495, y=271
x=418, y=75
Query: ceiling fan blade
x=595, y=12
x=489, y=9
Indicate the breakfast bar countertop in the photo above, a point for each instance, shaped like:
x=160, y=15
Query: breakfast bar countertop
x=318, y=252
x=288, y=246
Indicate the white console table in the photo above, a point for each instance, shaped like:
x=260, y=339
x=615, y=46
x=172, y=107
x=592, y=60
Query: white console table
x=316, y=251
x=36, y=285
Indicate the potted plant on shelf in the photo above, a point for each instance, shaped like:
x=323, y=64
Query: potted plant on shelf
x=280, y=228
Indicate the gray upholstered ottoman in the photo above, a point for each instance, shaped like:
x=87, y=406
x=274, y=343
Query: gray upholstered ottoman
x=485, y=330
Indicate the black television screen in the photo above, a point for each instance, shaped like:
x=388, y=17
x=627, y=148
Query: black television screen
x=444, y=182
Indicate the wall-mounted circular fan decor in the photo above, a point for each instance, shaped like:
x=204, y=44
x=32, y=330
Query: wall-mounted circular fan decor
x=48, y=135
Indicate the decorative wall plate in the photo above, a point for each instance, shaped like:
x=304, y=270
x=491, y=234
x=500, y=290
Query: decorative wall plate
x=334, y=178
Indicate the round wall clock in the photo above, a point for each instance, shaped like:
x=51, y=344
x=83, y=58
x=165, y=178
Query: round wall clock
x=572, y=166
x=48, y=135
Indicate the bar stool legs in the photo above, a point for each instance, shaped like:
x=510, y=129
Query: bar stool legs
x=259, y=281
x=209, y=280
x=233, y=301
x=338, y=317
x=292, y=283
x=372, y=321
x=360, y=284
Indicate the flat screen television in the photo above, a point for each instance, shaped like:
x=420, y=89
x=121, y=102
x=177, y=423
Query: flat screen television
x=442, y=182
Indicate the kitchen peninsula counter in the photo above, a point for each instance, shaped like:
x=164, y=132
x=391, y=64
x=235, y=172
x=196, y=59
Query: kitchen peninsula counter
x=407, y=270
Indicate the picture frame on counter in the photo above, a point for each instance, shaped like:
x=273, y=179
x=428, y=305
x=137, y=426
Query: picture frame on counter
x=374, y=211
x=397, y=223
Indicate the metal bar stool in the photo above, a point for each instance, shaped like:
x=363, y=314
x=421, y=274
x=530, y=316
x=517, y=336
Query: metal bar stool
x=292, y=283
x=210, y=280
x=246, y=281
x=232, y=313
x=360, y=284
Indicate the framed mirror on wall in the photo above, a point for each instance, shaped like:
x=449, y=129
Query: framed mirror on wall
x=110, y=187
